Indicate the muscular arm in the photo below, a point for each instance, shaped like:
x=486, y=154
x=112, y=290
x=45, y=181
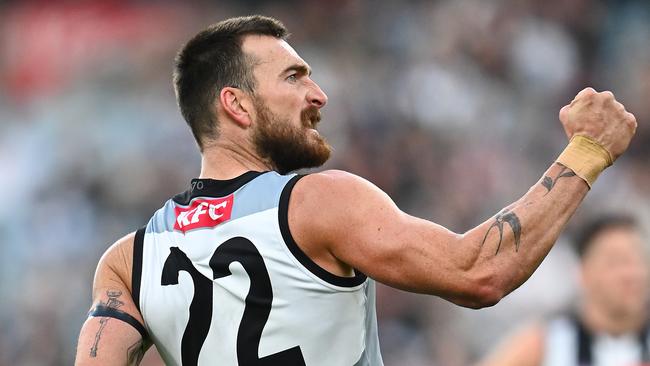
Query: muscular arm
x=111, y=339
x=343, y=221
x=362, y=227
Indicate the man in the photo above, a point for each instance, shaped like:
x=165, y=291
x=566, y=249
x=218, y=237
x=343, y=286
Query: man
x=610, y=327
x=254, y=267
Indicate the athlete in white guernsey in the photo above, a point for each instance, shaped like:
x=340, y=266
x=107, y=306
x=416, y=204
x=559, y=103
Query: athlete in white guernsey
x=262, y=301
x=610, y=326
x=252, y=266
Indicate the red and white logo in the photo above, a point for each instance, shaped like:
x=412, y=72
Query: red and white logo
x=203, y=213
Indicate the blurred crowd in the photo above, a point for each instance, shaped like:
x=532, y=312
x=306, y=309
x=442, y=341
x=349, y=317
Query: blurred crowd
x=449, y=106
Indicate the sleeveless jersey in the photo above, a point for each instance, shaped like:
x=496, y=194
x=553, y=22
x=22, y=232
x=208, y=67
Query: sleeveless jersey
x=568, y=343
x=219, y=280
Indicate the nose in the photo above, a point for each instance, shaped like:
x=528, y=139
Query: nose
x=316, y=96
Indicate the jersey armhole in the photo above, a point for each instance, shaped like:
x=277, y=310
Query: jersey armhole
x=310, y=265
x=136, y=273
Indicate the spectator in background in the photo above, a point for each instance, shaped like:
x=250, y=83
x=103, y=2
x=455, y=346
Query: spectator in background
x=610, y=325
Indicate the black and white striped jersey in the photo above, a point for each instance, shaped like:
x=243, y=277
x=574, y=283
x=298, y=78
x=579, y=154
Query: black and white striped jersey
x=568, y=343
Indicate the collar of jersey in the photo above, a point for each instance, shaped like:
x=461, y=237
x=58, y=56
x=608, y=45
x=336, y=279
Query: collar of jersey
x=205, y=187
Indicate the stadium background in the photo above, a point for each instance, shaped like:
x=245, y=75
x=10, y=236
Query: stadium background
x=450, y=107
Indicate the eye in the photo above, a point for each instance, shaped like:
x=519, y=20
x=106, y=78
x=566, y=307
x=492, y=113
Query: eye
x=292, y=78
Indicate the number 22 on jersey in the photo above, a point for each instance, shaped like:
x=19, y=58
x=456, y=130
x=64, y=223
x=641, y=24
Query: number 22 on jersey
x=256, y=311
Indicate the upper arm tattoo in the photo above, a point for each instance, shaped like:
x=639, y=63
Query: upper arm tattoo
x=136, y=352
x=113, y=302
x=549, y=183
x=509, y=217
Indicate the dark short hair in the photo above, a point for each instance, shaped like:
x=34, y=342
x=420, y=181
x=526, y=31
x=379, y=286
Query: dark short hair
x=584, y=238
x=213, y=59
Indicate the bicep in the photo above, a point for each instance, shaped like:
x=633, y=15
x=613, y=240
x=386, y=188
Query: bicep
x=107, y=340
x=364, y=228
x=401, y=251
x=114, y=333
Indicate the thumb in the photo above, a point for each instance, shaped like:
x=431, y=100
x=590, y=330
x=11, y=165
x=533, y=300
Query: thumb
x=564, y=113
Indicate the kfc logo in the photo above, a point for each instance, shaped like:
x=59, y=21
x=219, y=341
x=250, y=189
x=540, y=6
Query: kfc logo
x=203, y=213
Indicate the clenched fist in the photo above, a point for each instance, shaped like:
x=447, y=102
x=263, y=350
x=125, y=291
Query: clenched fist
x=601, y=117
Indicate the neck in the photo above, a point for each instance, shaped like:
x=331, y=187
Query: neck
x=225, y=159
x=599, y=320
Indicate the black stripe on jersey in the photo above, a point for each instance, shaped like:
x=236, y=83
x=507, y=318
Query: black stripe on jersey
x=214, y=188
x=283, y=217
x=101, y=311
x=585, y=341
x=136, y=273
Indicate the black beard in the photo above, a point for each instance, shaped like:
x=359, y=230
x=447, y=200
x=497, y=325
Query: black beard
x=285, y=146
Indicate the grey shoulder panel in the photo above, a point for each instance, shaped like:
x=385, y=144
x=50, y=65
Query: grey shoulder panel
x=260, y=194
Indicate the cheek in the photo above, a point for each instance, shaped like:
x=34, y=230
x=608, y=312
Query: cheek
x=637, y=278
x=623, y=282
x=290, y=95
x=286, y=107
x=599, y=279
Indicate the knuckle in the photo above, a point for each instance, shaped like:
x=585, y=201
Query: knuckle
x=607, y=95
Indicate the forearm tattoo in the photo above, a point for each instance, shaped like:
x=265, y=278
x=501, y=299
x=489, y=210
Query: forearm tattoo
x=113, y=302
x=509, y=217
x=549, y=183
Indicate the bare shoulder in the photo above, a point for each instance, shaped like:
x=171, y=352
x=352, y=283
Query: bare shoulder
x=327, y=210
x=340, y=201
x=113, y=276
x=116, y=265
x=531, y=336
x=335, y=176
x=338, y=187
x=331, y=180
x=525, y=347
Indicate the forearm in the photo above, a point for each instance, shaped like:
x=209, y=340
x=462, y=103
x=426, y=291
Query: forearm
x=508, y=247
x=477, y=268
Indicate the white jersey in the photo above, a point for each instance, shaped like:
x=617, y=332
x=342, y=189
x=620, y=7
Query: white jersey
x=219, y=280
x=568, y=343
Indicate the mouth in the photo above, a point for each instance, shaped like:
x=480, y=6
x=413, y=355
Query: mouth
x=311, y=118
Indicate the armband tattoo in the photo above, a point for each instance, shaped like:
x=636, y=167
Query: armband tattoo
x=109, y=310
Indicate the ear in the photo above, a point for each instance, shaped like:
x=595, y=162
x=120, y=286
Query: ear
x=235, y=104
